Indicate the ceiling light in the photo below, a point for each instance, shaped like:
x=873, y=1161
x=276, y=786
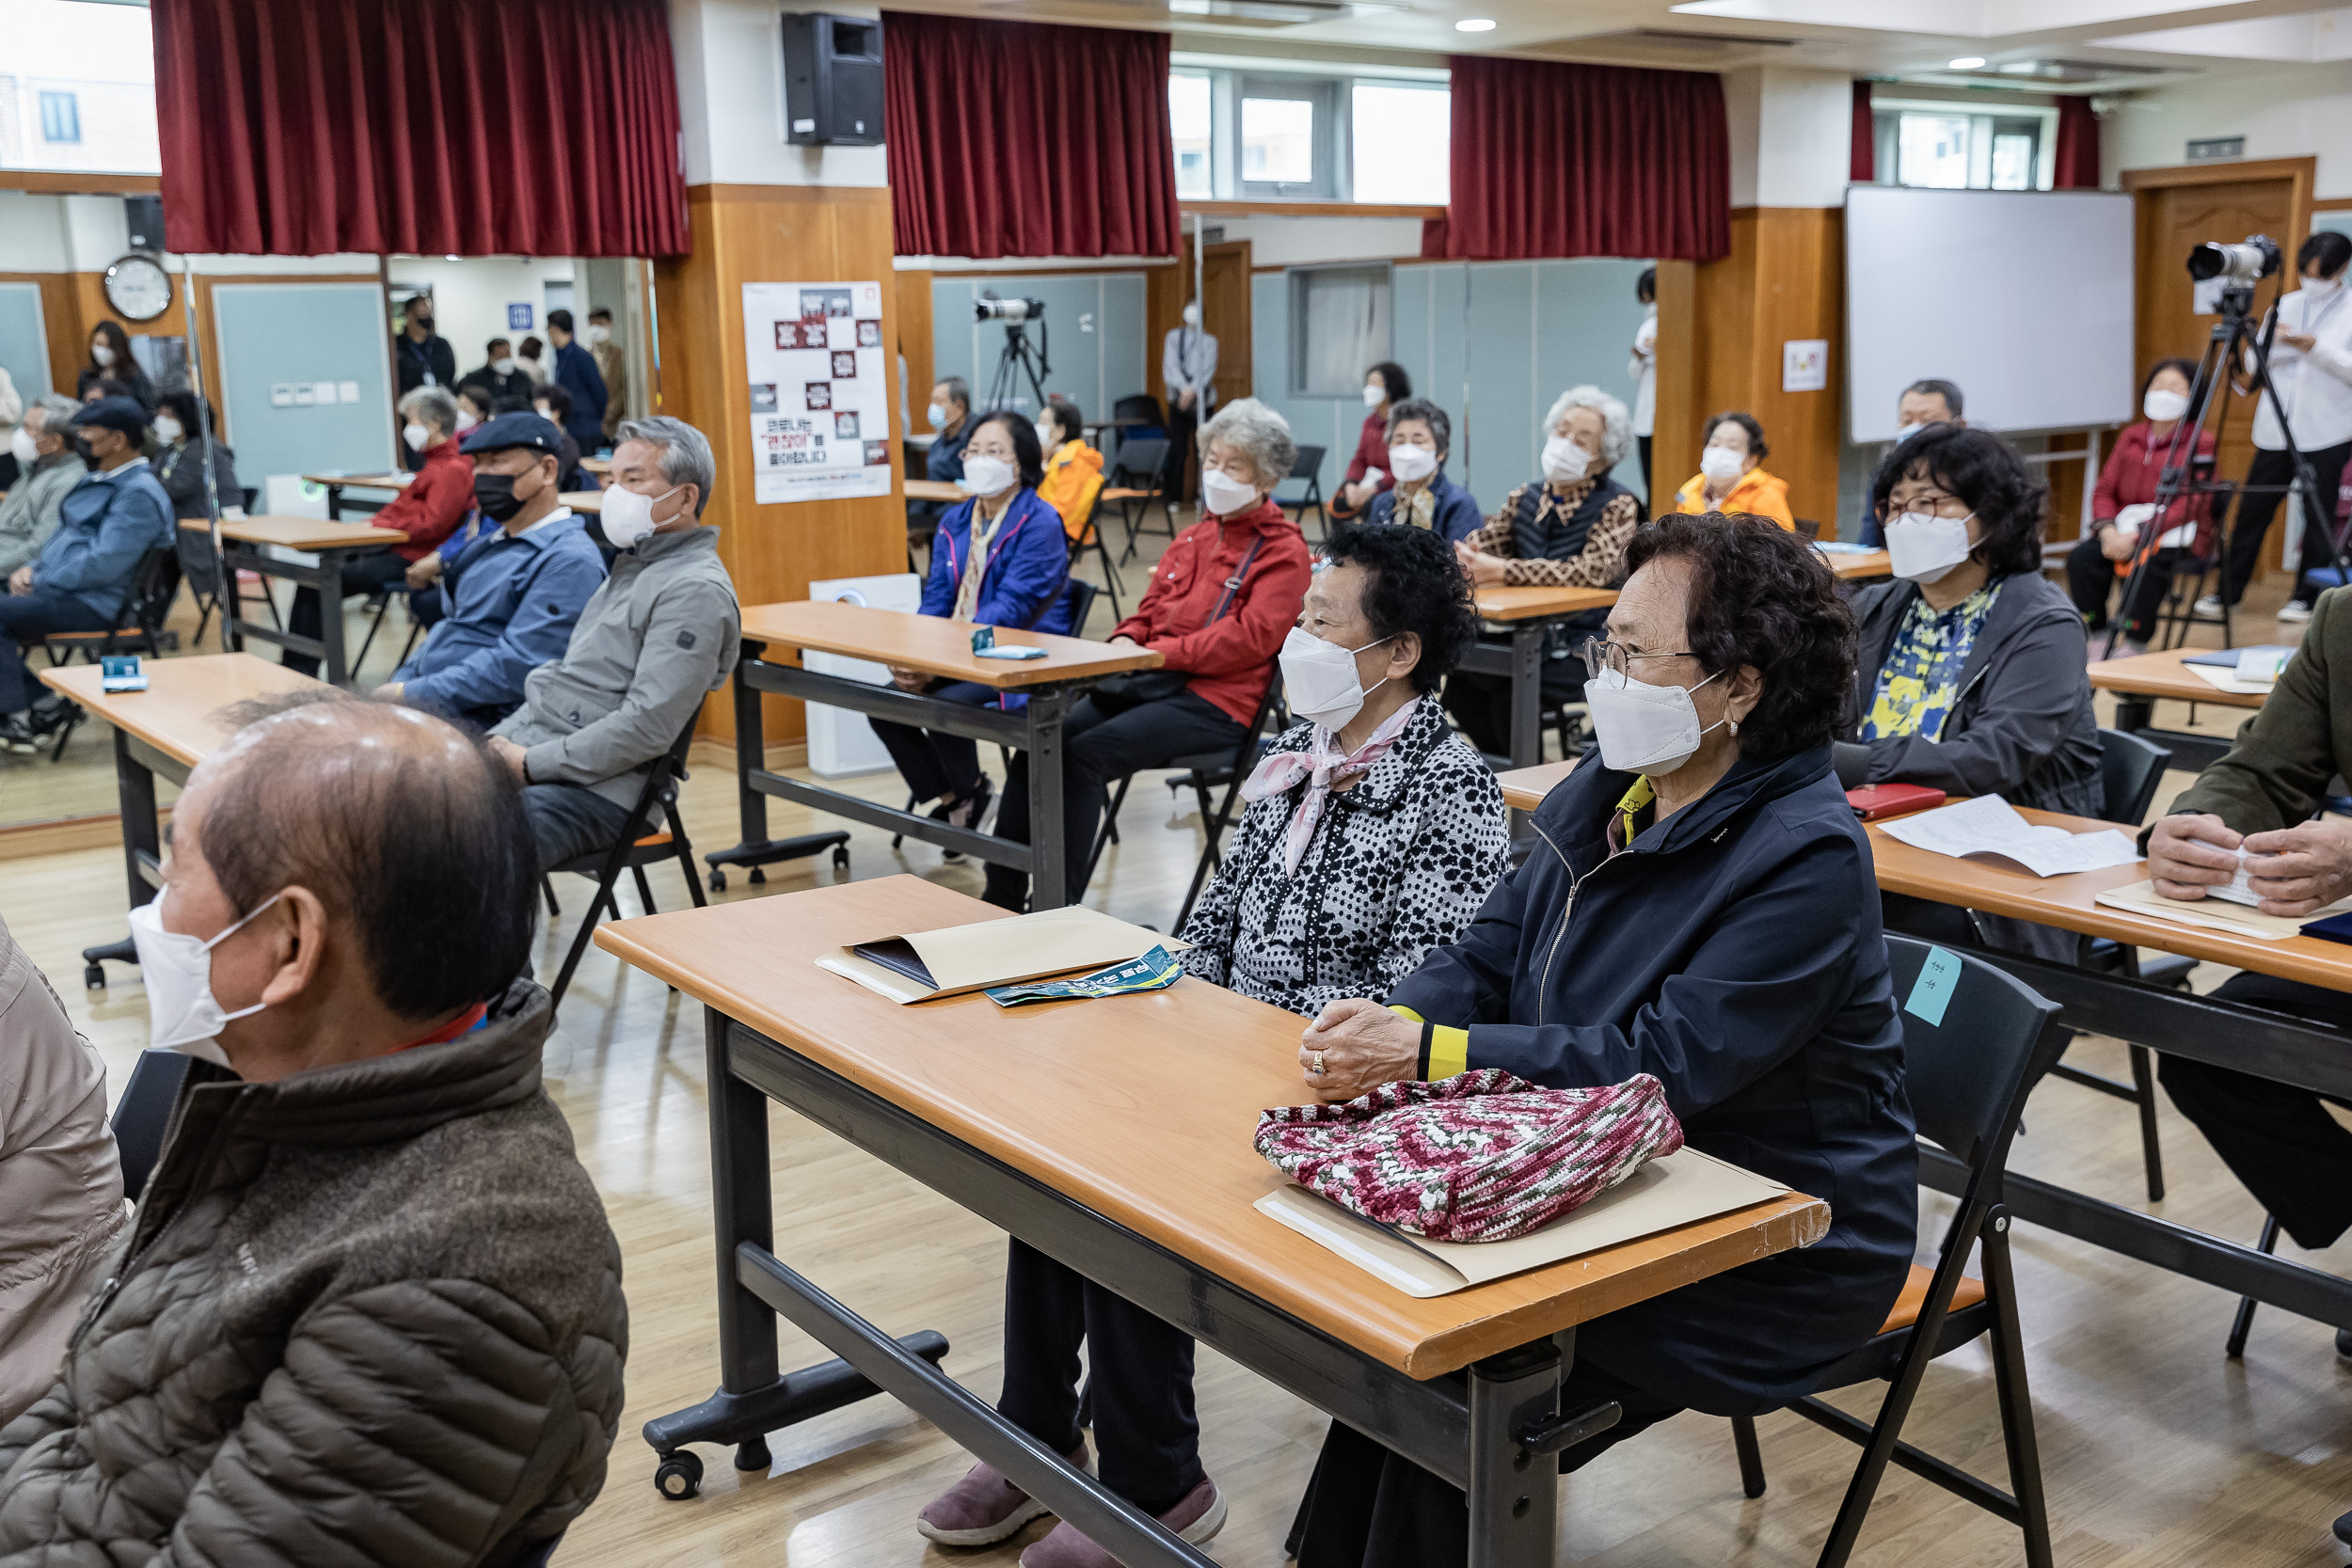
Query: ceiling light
x=1968, y=62
x=1475, y=24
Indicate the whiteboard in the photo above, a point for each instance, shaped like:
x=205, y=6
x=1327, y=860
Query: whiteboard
x=2022, y=298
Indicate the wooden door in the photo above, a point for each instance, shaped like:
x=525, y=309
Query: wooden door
x=2175, y=210
x=1225, y=313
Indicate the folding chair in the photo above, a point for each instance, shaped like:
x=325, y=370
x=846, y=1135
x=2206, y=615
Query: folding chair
x=1137, y=482
x=2130, y=768
x=1090, y=538
x=1310, y=462
x=638, y=845
x=143, y=1115
x=1967, y=1076
x=138, y=629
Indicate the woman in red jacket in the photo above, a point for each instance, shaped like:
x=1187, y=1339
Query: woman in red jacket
x=2125, y=528
x=1222, y=601
x=1386, y=384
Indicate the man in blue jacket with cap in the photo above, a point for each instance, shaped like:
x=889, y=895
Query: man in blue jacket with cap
x=513, y=593
x=85, y=573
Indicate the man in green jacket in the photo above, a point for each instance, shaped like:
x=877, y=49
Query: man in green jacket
x=2263, y=798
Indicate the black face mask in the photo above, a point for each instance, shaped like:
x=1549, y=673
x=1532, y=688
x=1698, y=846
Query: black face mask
x=424, y=324
x=495, y=493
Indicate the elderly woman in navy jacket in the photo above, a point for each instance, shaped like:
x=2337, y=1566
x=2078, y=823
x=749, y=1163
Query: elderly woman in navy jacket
x=999, y=559
x=1420, y=436
x=1723, y=936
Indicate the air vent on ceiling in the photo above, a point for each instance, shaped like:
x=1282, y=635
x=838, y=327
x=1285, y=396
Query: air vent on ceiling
x=2056, y=73
x=1662, y=46
x=1246, y=14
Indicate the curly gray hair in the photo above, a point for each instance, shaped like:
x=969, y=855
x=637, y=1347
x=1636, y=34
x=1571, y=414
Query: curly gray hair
x=1616, y=433
x=435, y=406
x=1258, y=433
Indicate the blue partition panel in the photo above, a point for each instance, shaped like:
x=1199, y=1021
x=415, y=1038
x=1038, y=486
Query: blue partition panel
x=277, y=339
x=24, y=344
x=1094, y=328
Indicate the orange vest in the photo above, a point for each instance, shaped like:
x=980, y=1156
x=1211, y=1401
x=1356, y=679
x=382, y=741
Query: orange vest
x=1074, y=477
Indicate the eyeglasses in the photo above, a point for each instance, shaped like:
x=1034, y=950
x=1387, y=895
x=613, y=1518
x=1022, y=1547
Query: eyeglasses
x=1600, y=655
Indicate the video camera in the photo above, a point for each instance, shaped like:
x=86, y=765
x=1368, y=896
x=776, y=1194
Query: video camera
x=2252, y=260
x=994, y=309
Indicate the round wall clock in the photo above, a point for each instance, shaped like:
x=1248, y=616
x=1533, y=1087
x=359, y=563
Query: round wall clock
x=139, y=288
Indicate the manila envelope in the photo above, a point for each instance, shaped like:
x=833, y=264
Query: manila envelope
x=963, y=958
x=1677, y=1189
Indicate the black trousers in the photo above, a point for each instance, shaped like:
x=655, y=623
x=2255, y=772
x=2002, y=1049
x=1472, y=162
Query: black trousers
x=1100, y=744
x=2254, y=512
x=1368, y=1508
x=1182, y=426
x=362, y=574
x=2090, y=580
x=934, y=763
x=1481, y=704
x=2275, y=1138
x=1138, y=1369
x=1649, y=486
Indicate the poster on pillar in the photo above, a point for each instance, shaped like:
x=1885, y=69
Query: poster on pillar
x=821, y=415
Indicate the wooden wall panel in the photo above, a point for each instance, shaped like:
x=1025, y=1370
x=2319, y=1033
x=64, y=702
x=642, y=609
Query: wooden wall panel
x=1674, y=448
x=914, y=334
x=774, y=234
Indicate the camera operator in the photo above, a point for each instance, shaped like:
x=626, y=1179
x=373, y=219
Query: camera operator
x=2311, y=370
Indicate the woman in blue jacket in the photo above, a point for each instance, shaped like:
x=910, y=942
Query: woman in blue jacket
x=1723, y=936
x=1000, y=559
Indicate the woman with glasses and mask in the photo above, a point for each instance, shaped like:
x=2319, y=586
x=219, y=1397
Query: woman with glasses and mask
x=1700, y=906
x=1970, y=675
x=1000, y=559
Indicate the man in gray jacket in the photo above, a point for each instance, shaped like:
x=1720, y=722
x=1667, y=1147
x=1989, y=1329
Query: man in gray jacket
x=369, y=1311
x=653, y=641
x=47, y=467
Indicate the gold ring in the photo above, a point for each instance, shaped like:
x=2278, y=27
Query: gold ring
x=1316, y=1066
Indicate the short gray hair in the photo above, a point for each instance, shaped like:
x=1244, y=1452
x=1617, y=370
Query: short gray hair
x=1258, y=433
x=438, y=407
x=685, y=455
x=54, y=409
x=1616, y=433
x=958, y=389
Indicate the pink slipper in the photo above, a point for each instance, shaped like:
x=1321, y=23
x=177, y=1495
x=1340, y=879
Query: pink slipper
x=984, y=1507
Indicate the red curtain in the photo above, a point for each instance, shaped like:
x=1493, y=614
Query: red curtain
x=2077, y=146
x=421, y=127
x=1020, y=139
x=1585, y=159
x=1863, y=167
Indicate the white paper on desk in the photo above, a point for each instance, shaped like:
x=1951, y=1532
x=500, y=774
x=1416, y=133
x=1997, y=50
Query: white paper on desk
x=1987, y=828
x=1677, y=1189
x=2213, y=915
x=2222, y=677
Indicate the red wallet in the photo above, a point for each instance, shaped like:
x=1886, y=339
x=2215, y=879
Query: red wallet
x=1892, y=799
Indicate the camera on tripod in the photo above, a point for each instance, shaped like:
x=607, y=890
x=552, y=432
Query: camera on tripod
x=994, y=309
x=2252, y=258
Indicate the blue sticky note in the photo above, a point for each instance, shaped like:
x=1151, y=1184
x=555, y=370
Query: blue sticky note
x=1932, y=991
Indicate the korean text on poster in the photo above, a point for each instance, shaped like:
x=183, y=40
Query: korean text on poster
x=821, y=420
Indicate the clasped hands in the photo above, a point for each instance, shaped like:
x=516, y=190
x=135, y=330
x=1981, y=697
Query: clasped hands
x=1485, y=570
x=1359, y=1045
x=2310, y=864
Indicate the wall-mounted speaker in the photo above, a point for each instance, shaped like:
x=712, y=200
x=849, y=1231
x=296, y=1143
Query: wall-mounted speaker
x=145, y=215
x=833, y=79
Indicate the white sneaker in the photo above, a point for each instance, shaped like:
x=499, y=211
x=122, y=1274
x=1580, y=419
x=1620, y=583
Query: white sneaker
x=2295, y=610
x=2208, y=608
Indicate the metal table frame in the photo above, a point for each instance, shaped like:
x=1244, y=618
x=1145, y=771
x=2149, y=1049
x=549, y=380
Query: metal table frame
x=326, y=579
x=1037, y=729
x=2247, y=1039
x=137, y=767
x=1522, y=660
x=1492, y=1431
x=335, y=489
x=2135, y=714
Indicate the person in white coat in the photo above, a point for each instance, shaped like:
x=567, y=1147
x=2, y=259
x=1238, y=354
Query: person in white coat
x=1643, y=367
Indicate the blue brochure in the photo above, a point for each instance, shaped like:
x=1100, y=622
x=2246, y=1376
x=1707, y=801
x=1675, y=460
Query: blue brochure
x=1154, y=970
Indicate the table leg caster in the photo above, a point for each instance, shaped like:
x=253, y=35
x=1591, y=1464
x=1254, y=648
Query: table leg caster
x=94, y=976
x=753, y=1454
x=680, y=1474
x=759, y=876
x=717, y=881
x=840, y=858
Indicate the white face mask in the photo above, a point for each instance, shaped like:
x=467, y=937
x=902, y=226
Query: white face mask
x=1320, y=678
x=182, y=1012
x=1644, y=728
x=627, y=517
x=598, y=335
x=100, y=355
x=1722, y=466
x=502, y=367
x=1411, y=464
x=1907, y=432
x=985, y=476
x=1192, y=315
x=1224, y=494
x=466, y=421
x=1374, y=396
x=415, y=434
x=937, y=414
x=21, y=447
x=1048, y=435
x=2164, y=406
x=168, y=429
x=2322, y=287
x=1565, y=462
x=1922, y=548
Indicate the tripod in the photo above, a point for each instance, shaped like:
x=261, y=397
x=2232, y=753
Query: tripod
x=1018, y=362
x=2232, y=336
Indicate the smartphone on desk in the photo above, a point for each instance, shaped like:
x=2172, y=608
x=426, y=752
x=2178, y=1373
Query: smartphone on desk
x=121, y=673
x=984, y=645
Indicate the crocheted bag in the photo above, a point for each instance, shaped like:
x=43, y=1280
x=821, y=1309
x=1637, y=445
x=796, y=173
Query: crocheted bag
x=1480, y=1157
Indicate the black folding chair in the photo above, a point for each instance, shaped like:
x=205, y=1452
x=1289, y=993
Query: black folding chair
x=1203, y=772
x=143, y=1115
x=1967, y=1076
x=1090, y=538
x=138, y=629
x=2130, y=768
x=639, y=843
x=1309, y=463
x=1137, y=483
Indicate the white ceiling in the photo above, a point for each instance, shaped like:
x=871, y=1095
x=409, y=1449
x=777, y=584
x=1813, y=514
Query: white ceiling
x=2077, y=45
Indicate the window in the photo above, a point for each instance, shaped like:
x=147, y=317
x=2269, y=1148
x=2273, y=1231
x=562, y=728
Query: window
x=60, y=120
x=1404, y=140
x=1287, y=136
x=1190, y=119
x=1340, y=327
x=1955, y=146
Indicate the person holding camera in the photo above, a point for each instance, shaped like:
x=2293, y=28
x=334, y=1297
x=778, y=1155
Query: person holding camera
x=2309, y=397
x=2126, y=530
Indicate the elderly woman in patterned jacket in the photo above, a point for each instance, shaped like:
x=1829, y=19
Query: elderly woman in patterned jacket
x=1373, y=835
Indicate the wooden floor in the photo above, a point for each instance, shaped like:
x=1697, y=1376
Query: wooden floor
x=2156, y=1450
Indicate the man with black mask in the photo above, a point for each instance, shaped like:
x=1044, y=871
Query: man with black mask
x=422, y=357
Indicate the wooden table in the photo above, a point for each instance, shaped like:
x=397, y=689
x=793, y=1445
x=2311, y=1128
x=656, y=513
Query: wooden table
x=2141, y=679
x=1855, y=566
x=588, y=503
x=335, y=485
x=1142, y=1182
x=599, y=467
x=1530, y=613
x=933, y=490
x=166, y=730
x=242, y=541
x=2270, y=1045
x=1524, y=788
x=935, y=646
